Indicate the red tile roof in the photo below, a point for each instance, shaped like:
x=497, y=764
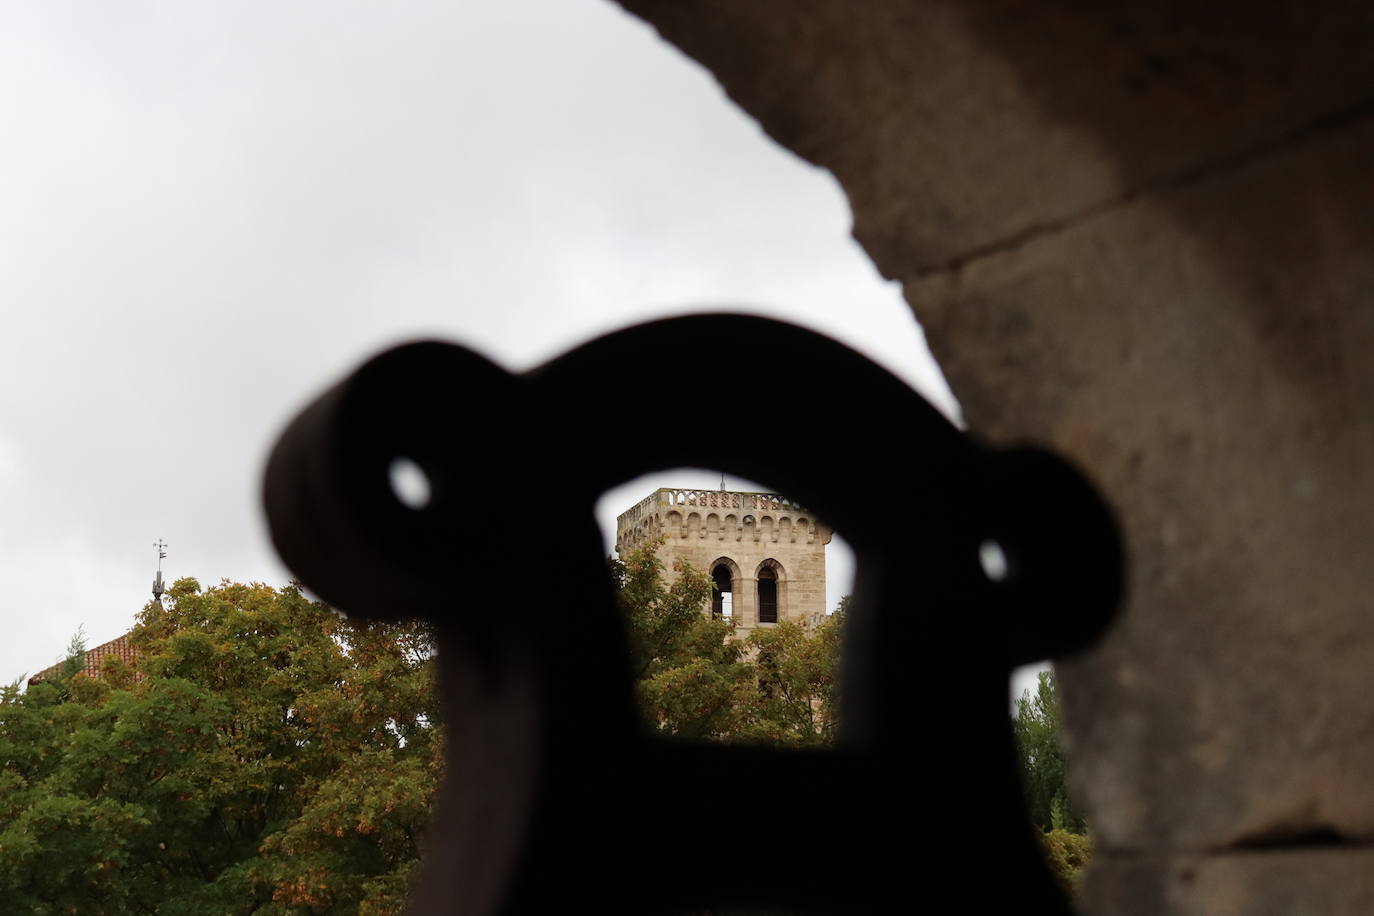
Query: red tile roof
x=119, y=646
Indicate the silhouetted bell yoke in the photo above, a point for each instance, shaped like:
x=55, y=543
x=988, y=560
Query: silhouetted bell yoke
x=556, y=798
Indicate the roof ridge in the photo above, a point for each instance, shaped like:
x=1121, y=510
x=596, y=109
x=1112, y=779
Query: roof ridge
x=119, y=646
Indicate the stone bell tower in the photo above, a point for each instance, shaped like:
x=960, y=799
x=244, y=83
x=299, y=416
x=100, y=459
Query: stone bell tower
x=765, y=553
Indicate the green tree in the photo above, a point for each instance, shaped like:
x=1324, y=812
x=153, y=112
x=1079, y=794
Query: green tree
x=74, y=661
x=267, y=755
x=690, y=673
x=796, y=699
x=1067, y=855
x=273, y=757
x=695, y=679
x=1041, y=760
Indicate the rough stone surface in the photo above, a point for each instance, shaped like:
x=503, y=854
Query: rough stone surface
x=1224, y=413
x=1142, y=233
x=1321, y=881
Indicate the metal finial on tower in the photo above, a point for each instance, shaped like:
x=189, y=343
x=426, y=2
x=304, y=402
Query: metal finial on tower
x=722, y=481
x=161, y=546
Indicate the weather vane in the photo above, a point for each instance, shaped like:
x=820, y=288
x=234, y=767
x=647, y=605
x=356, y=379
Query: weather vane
x=161, y=546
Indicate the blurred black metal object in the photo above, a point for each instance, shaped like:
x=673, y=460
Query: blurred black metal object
x=555, y=799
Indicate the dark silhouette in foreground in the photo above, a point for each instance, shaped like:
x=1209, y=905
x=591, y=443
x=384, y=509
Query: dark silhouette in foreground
x=556, y=799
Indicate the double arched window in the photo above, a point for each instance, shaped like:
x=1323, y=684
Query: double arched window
x=728, y=581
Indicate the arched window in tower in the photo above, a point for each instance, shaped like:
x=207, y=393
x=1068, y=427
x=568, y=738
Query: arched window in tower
x=722, y=595
x=768, y=595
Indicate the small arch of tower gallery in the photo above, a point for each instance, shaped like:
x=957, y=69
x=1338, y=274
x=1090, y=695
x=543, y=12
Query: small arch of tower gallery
x=765, y=554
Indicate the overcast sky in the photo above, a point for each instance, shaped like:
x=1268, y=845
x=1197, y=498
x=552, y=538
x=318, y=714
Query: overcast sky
x=212, y=210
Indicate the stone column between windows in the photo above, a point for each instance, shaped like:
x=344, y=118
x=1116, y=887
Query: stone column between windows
x=747, y=601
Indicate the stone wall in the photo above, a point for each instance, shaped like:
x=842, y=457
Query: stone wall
x=1143, y=233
